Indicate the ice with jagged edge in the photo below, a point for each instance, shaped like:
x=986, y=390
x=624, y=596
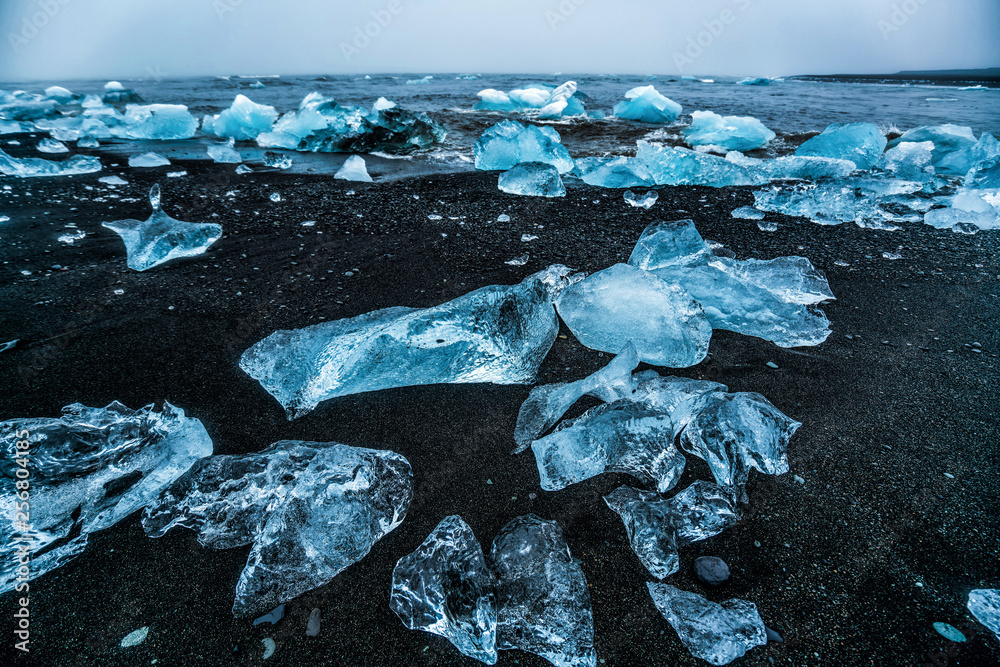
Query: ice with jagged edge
x=984, y=604
x=532, y=179
x=154, y=121
x=612, y=172
x=731, y=133
x=657, y=527
x=646, y=201
x=309, y=509
x=645, y=104
x=793, y=167
x=497, y=334
x=984, y=175
x=446, y=588
x=243, y=120
x=225, y=153
x=717, y=633
x=353, y=169
x=860, y=143
x=909, y=160
x=946, y=138
x=543, y=601
x=48, y=145
x=34, y=166
x=968, y=212
x=550, y=103
x=859, y=200
x=160, y=238
x=959, y=162
x=89, y=469
x=509, y=143
x=148, y=160
x=680, y=166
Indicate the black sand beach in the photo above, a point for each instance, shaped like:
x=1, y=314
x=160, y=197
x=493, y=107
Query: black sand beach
x=852, y=566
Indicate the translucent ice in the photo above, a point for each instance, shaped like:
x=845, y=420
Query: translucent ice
x=747, y=213
x=243, y=120
x=59, y=94
x=113, y=180
x=680, y=166
x=34, y=166
x=647, y=105
x=533, y=179
x=910, y=160
x=353, y=169
x=496, y=334
x=734, y=133
x=51, y=146
x=646, y=201
x=89, y=469
x=550, y=103
x=984, y=604
x=946, y=138
x=959, y=162
x=793, y=166
x=617, y=172
x=509, y=143
x=858, y=200
x=309, y=509
x=161, y=238
x=277, y=160
x=985, y=175
x=156, y=121
x=969, y=211
x=755, y=81
x=861, y=143
x=225, y=153
x=718, y=633
x=445, y=587
x=148, y=160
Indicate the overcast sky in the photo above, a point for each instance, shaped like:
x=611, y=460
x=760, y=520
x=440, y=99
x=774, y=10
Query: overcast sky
x=70, y=39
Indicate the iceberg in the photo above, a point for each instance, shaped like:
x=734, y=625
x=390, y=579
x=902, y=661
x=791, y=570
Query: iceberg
x=909, y=160
x=646, y=201
x=161, y=238
x=946, y=138
x=309, y=509
x=33, y=166
x=148, y=160
x=617, y=172
x=225, y=153
x=861, y=143
x=550, y=103
x=984, y=604
x=243, y=120
x=119, y=94
x=733, y=133
x=657, y=527
x=497, y=334
x=717, y=633
x=756, y=81
x=680, y=166
x=645, y=104
x=533, y=179
x=90, y=468
x=51, y=146
x=426, y=79
x=353, y=169
x=509, y=143
x=969, y=212
x=959, y=162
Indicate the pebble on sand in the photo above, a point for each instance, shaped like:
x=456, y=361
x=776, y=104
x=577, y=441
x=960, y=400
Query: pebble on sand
x=135, y=638
x=711, y=570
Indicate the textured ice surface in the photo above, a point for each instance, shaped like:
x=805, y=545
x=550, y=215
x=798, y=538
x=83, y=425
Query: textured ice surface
x=445, y=587
x=509, y=143
x=647, y=105
x=616, y=172
x=747, y=213
x=532, y=179
x=969, y=211
x=861, y=143
x=543, y=603
x=621, y=303
x=496, y=334
x=985, y=175
x=225, y=153
x=112, y=180
x=156, y=121
x=646, y=201
x=959, y=162
x=984, y=604
x=243, y=120
x=855, y=200
x=910, y=160
x=277, y=160
x=680, y=166
x=550, y=103
x=793, y=166
x=946, y=138
x=34, y=166
x=148, y=160
x=51, y=146
x=353, y=169
x=160, y=238
x=734, y=133
x=718, y=633
x=657, y=526
x=89, y=469
x=309, y=509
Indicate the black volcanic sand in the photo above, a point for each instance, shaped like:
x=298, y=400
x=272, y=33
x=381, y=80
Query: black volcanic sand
x=852, y=566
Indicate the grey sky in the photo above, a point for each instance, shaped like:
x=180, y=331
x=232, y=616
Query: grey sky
x=70, y=39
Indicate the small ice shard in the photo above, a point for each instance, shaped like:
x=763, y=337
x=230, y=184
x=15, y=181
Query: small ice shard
x=657, y=526
x=748, y=213
x=647, y=105
x=72, y=237
x=532, y=179
x=618, y=172
x=496, y=334
x=680, y=166
x=353, y=169
x=646, y=201
x=859, y=200
x=312, y=625
x=112, y=180
x=90, y=468
x=525, y=238
x=503, y=217
x=861, y=143
x=946, y=138
x=243, y=120
x=562, y=102
x=543, y=602
x=509, y=143
x=160, y=238
x=176, y=174
x=520, y=260
x=717, y=633
x=156, y=121
x=34, y=166
x=733, y=133
x=148, y=160
x=621, y=303
x=243, y=169
x=984, y=603
x=272, y=616
x=909, y=160
x=277, y=160
x=275, y=197
x=135, y=637
x=446, y=588
x=225, y=153
x=51, y=146
x=9, y=345
x=309, y=509
x=88, y=142
x=959, y=162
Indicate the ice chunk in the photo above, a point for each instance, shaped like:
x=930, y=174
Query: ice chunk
x=647, y=105
x=946, y=138
x=861, y=143
x=959, y=162
x=113, y=180
x=534, y=179
x=509, y=143
x=89, y=469
x=277, y=160
x=646, y=201
x=617, y=172
x=755, y=81
x=610, y=307
x=910, y=160
x=51, y=146
x=718, y=633
x=34, y=166
x=156, y=121
x=353, y=169
x=985, y=175
x=560, y=102
x=969, y=211
x=148, y=160
x=59, y=94
x=858, y=200
x=984, y=603
x=426, y=79
x=664, y=244
x=310, y=510
x=88, y=142
x=747, y=213
x=161, y=238
x=680, y=166
x=225, y=153
x=243, y=120
x=793, y=166
x=445, y=587
x=543, y=602
x=657, y=527
x=496, y=334
x=382, y=104
x=734, y=133
x=243, y=169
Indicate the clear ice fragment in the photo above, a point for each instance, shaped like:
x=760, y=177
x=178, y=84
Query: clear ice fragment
x=353, y=169
x=532, y=179
x=680, y=166
x=731, y=133
x=34, y=166
x=277, y=160
x=861, y=143
x=51, y=146
x=148, y=160
x=509, y=143
x=646, y=201
x=225, y=153
x=984, y=603
x=617, y=172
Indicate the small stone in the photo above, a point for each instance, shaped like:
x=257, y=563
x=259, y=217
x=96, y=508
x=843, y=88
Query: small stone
x=711, y=570
x=771, y=364
x=312, y=627
x=949, y=632
x=772, y=636
x=756, y=543
x=135, y=638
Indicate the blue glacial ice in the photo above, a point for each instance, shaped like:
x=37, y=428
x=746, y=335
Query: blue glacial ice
x=946, y=138
x=969, y=211
x=612, y=172
x=793, y=167
x=645, y=104
x=309, y=509
x=60, y=94
x=717, y=633
x=51, y=146
x=731, y=133
x=160, y=238
x=243, y=120
x=153, y=121
x=90, y=468
x=909, y=160
x=861, y=200
x=420, y=81
x=497, y=334
x=680, y=166
x=509, y=143
x=532, y=179
x=756, y=81
x=277, y=160
x=116, y=93
x=549, y=102
x=33, y=166
x=984, y=604
x=225, y=153
x=861, y=143
x=645, y=201
x=985, y=175
x=959, y=162
x=353, y=169
x=148, y=160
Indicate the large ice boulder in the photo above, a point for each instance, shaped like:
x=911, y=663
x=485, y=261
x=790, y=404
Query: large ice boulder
x=861, y=143
x=947, y=138
x=731, y=133
x=243, y=120
x=647, y=105
x=509, y=143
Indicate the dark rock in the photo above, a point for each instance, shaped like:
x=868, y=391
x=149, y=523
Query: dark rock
x=773, y=636
x=711, y=570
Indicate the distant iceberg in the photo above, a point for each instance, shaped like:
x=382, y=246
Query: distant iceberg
x=551, y=103
x=647, y=105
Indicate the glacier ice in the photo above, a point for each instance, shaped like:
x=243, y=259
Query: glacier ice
x=160, y=238
x=984, y=603
x=156, y=121
x=225, y=153
x=51, y=146
x=33, y=166
x=148, y=160
x=946, y=138
x=509, y=143
x=446, y=587
x=985, y=175
x=562, y=102
x=496, y=334
x=422, y=80
x=59, y=94
x=860, y=200
x=277, y=160
x=90, y=468
x=747, y=213
x=968, y=213
x=657, y=526
x=646, y=201
x=112, y=180
x=793, y=167
x=88, y=142
x=533, y=179
x=647, y=105
x=617, y=172
x=959, y=162
x=909, y=160
x=680, y=166
x=550, y=103
x=353, y=169
x=244, y=119
x=717, y=633
x=861, y=143
x=755, y=81
x=732, y=133
x=309, y=509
